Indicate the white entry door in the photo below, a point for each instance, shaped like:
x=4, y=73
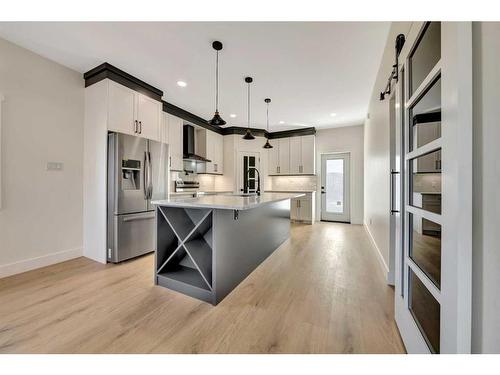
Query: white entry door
x=335, y=186
x=433, y=264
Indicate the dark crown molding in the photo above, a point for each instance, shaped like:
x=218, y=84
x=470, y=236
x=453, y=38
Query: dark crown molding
x=107, y=70
x=292, y=133
x=111, y=72
x=238, y=130
x=189, y=117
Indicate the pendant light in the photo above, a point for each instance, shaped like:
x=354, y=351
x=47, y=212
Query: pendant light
x=217, y=120
x=248, y=135
x=267, y=145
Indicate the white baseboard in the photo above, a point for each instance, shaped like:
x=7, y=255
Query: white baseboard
x=380, y=258
x=38, y=262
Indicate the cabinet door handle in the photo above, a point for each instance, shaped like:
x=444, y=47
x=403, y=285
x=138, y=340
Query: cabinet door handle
x=170, y=161
x=140, y=127
x=135, y=126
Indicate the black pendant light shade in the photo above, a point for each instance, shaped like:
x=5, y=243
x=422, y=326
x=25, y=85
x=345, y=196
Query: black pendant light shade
x=267, y=145
x=217, y=120
x=248, y=134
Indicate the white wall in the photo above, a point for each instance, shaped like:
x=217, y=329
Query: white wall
x=486, y=204
x=377, y=151
x=41, y=217
x=345, y=139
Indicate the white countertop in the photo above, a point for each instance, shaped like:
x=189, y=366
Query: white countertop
x=226, y=202
x=290, y=191
x=199, y=192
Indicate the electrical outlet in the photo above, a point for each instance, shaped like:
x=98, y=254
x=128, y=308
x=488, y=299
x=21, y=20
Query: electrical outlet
x=54, y=166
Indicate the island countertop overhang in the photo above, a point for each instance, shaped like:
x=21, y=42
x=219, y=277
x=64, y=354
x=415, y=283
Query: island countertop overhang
x=226, y=202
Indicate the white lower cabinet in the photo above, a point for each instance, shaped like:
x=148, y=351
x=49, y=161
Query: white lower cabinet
x=302, y=209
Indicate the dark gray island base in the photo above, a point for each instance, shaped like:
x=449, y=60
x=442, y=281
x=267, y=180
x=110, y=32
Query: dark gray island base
x=206, y=246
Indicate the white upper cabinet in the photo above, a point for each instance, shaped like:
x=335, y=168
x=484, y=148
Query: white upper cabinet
x=149, y=117
x=292, y=156
x=130, y=112
x=219, y=154
x=210, y=145
x=284, y=156
x=295, y=155
x=164, y=128
x=121, y=109
x=273, y=159
x=175, y=142
x=308, y=155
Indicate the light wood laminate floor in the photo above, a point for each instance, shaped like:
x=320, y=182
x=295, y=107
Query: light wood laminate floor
x=321, y=292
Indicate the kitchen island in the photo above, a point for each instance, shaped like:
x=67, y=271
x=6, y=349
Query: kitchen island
x=205, y=246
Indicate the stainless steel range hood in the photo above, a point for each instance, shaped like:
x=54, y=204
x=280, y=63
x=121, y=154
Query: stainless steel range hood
x=188, y=149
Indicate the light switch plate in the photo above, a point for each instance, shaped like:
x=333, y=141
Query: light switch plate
x=54, y=166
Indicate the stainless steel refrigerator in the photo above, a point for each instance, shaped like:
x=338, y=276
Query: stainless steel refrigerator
x=137, y=174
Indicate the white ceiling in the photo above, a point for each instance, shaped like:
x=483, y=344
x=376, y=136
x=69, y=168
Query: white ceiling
x=308, y=69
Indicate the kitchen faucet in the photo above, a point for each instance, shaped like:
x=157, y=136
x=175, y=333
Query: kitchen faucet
x=258, y=180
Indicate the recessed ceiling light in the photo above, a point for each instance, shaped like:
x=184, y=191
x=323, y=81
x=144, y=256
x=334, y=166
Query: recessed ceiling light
x=232, y=115
x=181, y=83
x=333, y=114
x=282, y=122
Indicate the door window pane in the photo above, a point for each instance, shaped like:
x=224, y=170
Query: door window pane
x=425, y=246
x=425, y=117
x=335, y=185
x=426, y=311
x=425, y=182
x=426, y=55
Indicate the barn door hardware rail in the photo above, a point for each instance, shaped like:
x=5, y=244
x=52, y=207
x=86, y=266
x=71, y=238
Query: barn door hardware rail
x=400, y=41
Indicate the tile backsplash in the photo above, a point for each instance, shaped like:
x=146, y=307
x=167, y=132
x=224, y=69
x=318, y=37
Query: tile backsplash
x=294, y=182
x=207, y=181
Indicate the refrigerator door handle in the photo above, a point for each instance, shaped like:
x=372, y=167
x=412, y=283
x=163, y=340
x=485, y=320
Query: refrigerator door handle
x=129, y=218
x=150, y=180
x=146, y=177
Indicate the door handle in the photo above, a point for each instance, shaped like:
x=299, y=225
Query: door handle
x=135, y=126
x=140, y=127
x=391, y=188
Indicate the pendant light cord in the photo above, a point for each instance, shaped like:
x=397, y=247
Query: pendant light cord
x=217, y=82
x=267, y=112
x=249, y=105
